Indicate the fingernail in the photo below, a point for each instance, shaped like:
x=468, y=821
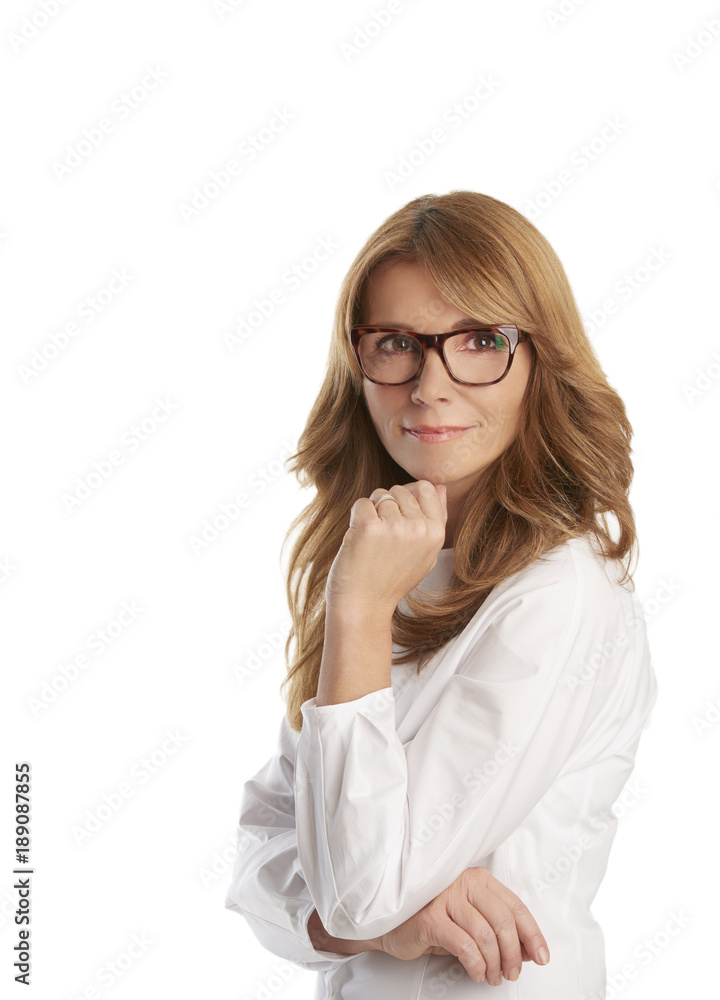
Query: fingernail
x=513, y=974
x=543, y=956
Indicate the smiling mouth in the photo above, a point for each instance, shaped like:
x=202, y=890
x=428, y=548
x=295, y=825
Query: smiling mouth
x=431, y=435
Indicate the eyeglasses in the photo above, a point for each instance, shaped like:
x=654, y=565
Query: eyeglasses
x=480, y=355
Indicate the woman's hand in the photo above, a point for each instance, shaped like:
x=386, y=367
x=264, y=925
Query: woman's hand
x=388, y=549
x=477, y=919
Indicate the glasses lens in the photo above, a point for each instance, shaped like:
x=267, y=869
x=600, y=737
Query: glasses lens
x=390, y=357
x=478, y=355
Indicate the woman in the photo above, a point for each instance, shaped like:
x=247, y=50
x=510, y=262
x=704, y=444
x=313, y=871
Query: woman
x=471, y=675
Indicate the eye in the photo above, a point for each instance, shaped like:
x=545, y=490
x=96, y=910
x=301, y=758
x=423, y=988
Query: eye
x=485, y=341
x=395, y=344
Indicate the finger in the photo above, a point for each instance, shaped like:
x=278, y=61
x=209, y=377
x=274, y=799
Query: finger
x=468, y=917
x=447, y=935
x=442, y=493
x=500, y=918
x=406, y=504
x=528, y=931
x=428, y=499
x=387, y=508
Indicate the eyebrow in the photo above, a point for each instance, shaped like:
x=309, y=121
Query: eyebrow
x=405, y=326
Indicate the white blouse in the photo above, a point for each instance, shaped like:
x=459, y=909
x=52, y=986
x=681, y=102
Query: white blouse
x=507, y=751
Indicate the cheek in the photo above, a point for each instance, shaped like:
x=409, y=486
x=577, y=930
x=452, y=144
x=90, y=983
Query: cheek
x=377, y=415
x=381, y=406
x=499, y=413
x=371, y=405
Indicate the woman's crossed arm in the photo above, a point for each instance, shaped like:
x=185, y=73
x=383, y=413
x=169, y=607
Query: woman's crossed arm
x=477, y=919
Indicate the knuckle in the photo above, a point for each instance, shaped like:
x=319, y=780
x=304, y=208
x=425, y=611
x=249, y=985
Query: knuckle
x=468, y=949
x=479, y=872
x=521, y=910
x=505, y=922
x=472, y=879
x=464, y=880
x=431, y=913
x=486, y=935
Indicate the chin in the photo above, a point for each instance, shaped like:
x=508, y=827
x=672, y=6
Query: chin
x=436, y=473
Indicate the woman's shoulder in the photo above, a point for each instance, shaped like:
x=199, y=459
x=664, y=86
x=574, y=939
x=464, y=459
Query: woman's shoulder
x=571, y=579
x=550, y=612
x=576, y=561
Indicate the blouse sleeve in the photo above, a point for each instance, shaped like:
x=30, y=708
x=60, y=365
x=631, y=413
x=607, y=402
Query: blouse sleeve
x=384, y=827
x=267, y=887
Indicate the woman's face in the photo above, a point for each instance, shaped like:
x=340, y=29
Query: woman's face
x=398, y=294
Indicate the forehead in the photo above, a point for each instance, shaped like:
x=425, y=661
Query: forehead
x=398, y=293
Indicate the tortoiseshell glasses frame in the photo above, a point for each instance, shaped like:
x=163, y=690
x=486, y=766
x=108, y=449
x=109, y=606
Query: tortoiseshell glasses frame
x=510, y=331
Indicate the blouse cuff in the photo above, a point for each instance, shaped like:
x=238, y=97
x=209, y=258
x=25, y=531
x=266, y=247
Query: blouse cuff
x=375, y=704
x=293, y=942
x=332, y=959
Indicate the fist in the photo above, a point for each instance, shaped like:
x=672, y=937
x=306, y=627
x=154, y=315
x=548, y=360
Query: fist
x=387, y=550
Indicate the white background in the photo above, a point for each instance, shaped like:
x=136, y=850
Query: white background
x=160, y=865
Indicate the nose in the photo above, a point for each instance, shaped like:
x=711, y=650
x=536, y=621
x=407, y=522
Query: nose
x=433, y=381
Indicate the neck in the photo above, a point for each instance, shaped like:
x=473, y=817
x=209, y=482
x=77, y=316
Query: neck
x=456, y=493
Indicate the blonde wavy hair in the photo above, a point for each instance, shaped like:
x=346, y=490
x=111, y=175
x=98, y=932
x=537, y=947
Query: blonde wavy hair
x=566, y=473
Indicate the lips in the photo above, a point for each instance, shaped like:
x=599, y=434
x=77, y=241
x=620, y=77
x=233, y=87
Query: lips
x=427, y=429
x=431, y=435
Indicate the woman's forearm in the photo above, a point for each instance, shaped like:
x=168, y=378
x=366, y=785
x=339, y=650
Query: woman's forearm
x=357, y=654
x=322, y=941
